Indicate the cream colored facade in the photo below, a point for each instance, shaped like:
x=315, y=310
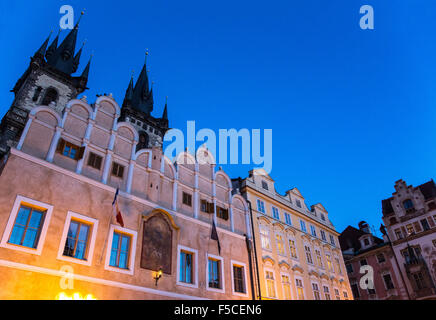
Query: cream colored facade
x=36, y=175
x=297, y=248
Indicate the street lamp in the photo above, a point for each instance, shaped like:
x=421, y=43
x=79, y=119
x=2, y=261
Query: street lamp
x=157, y=275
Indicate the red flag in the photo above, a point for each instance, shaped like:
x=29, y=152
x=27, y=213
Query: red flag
x=116, y=210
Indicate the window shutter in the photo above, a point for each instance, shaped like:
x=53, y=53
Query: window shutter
x=121, y=171
x=430, y=221
x=61, y=146
x=98, y=162
x=417, y=227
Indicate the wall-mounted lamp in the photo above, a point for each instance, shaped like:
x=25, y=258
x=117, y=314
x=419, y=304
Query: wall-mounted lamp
x=157, y=275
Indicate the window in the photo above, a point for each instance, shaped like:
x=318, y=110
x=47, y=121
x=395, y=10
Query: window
x=288, y=219
x=322, y=217
x=94, y=161
x=78, y=239
x=329, y=262
x=323, y=235
x=206, y=206
x=27, y=226
x=120, y=250
x=419, y=280
x=338, y=266
x=286, y=287
x=371, y=291
x=51, y=95
x=363, y=262
x=345, y=295
x=265, y=240
x=313, y=231
x=366, y=242
x=298, y=203
x=308, y=254
x=222, y=213
x=434, y=243
x=355, y=290
x=117, y=170
x=264, y=185
x=410, y=230
x=280, y=244
x=398, y=234
x=187, y=199
x=337, y=295
x=215, y=273
x=388, y=281
x=239, y=278
x=408, y=204
x=381, y=258
x=276, y=213
x=315, y=289
x=332, y=240
x=260, y=206
x=36, y=94
x=270, y=284
x=349, y=267
x=70, y=150
x=303, y=226
x=425, y=225
x=300, y=289
x=187, y=267
x=326, y=293
x=318, y=258
x=292, y=249
x=120, y=255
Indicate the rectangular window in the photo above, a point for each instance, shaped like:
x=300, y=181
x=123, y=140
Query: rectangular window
x=308, y=255
x=206, y=206
x=117, y=170
x=303, y=226
x=316, y=294
x=27, y=227
x=94, y=161
x=292, y=249
x=264, y=237
x=318, y=258
x=280, y=244
x=410, y=230
x=288, y=219
x=260, y=206
x=77, y=240
x=345, y=295
x=270, y=284
x=388, y=281
x=313, y=231
x=187, y=199
x=332, y=240
x=425, y=225
x=300, y=289
x=323, y=235
x=349, y=267
x=222, y=213
x=338, y=266
x=337, y=295
x=276, y=214
x=363, y=262
x=239, y=279
x=214, y=270
x=186, y=270
x=286, y=287
x=70, y=150
x=120, y=251
x=298, y=203
x=264, y=185
x=398, y=234
x=329, y=262
x=381, y=258
x=355, y=290
x=326, y=293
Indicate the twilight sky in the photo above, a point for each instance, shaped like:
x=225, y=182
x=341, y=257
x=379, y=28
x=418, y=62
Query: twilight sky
x=351, y=110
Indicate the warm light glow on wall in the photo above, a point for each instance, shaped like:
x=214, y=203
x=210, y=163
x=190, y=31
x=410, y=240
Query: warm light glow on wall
x=75, y=296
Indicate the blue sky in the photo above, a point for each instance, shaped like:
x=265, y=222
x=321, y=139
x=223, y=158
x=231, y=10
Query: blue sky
x=352, y=110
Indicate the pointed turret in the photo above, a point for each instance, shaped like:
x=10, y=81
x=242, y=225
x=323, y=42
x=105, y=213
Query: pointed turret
x=85, y=72
x=76, y=60
x=53, y=46
x=165, y=112
x=41, y=51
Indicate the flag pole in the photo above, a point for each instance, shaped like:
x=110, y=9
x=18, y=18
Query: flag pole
x=108, y=230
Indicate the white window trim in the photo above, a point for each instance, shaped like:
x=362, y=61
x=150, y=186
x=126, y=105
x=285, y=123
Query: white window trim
x=221, y=259
x=319, y=290
x=19, y=200
x=266, y=285
x=296, y=288
x=92, y=238
x=195, y=265
x=284, y=254
x=265, y=228
x=296, y=249
x=290, y=284
x=263, y=205
x=239, y=264
x=134, y=236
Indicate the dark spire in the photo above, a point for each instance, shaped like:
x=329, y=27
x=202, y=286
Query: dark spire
x=142, y=98
x=85, y=72
x=77, y=58
x=129, y=91
x=165, y=112
x=41, y=51
x=53, y=47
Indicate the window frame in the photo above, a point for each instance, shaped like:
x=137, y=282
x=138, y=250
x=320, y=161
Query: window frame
x=223, y=283
x=95, y=157
x=302, y=287
x=188, y=196
x=262, y=206
x=194, y=253
x=244, y=266
x=265, y=270
x=283, y=285
x=91, y=238
x=19, y=201
x=275, y=212
x=120, y=166
x=132, y=250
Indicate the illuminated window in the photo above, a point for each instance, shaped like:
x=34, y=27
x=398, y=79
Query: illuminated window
x=265, y=240
x=300, y=289
x=280, y=244
x=187, y=274
x=308, y=254
x=326, y=293
x=27, y=227
x=338, y=266
x=239, y=278
x=270, y=284
x=315, y=289
x=120, y=250
x=292, y=249
x=215, y=273
x=329, y=262
x=286, y=287
x=318, y=258
x=410, y=230
x=77, y=240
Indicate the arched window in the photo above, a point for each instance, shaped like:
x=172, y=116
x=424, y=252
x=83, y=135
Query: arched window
x=143, y=141
x=408, y=204
x=51, y=95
